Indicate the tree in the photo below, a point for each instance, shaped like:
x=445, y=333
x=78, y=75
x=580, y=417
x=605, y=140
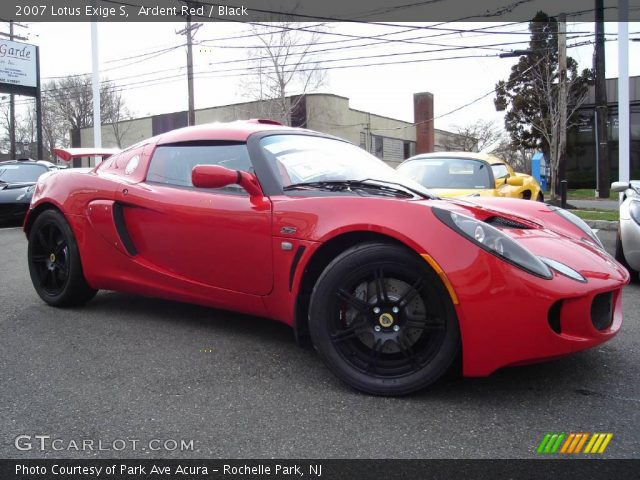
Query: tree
x=284, y=64
x=531, y=96
x=5, y=125
x=478, y=136
x=114, y=114
x=72, y=99
x=517, y=156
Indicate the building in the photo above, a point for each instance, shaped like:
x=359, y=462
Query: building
x=581, y=140
x=389, y=139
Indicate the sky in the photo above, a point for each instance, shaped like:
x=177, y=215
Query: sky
x=156, y=82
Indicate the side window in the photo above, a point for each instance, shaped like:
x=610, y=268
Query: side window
x=172, y=164
x=499, y=171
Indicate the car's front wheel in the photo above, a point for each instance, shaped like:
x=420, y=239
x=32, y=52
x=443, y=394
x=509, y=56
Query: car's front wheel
x=619, y=256
x=382, y=320
x=54, y=262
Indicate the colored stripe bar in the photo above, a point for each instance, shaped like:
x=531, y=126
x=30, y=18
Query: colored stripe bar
x=567, y=443
x=605, y=443
x=599, y=441
x=582, y=440
x=543, y=443
x=550, y=443
x=556, y=445
x=594, y=437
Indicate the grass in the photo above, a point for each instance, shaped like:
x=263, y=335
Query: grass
x=587, y=194
x=584, y=194
x=611, y=215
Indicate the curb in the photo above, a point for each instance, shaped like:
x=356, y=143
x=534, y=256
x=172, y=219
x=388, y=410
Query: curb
x=602, y=224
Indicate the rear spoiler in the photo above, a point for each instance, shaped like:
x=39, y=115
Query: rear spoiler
x=67, y=154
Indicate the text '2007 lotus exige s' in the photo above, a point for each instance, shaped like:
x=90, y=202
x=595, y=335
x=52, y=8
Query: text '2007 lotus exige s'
x=390, y=282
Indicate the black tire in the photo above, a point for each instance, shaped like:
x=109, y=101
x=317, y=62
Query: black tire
x=54, y=262
x=619, y=256
x=540, y=197
x=387, y=351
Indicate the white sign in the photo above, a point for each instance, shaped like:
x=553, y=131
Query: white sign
x=18, y=63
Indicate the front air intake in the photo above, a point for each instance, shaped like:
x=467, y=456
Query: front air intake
x=554, y=317
x=602, y=311
x=502, y=222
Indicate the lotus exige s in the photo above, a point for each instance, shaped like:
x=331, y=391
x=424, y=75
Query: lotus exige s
x=390, y=282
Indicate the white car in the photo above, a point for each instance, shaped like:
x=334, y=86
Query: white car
x=628, y=237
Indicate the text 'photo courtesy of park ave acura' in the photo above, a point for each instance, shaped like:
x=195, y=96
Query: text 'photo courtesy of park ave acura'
x=274, y=239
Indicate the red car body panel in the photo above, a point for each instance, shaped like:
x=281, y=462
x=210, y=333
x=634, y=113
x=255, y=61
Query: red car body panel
x=226, y=251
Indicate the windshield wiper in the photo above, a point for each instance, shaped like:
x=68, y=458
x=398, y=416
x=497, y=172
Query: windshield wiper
x=384, y=187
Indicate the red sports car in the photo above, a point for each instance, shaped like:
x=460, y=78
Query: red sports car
x=390, y=282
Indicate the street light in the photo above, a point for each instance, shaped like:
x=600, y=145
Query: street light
x=515, y=53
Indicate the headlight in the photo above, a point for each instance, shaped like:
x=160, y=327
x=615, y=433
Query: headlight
x=578, y=222
x=494, y=241
x=28, y=191
x=564, y=270
x=634, y=210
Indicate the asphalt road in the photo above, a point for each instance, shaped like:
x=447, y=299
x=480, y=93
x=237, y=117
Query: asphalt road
x=131, y=368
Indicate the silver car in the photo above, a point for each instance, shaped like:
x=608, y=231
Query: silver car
x=628, y=237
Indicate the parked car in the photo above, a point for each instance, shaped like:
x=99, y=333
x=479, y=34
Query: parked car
x=390, y=282
x=628, y=237
x=17, y=182
x=454, y=174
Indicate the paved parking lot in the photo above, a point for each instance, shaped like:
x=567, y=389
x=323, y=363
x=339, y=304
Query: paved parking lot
x=132, y=368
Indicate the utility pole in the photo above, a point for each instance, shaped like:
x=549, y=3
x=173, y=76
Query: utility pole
x=189, y=30
x=95, y=89
x=562, y=106
x=601, y=112
x=623, y=92
x=12, y=109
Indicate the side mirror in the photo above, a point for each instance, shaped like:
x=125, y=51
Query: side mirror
x=619, y=186
x=515, y=181
x=216, y=176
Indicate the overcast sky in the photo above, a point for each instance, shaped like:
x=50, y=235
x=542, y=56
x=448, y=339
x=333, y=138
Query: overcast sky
x=385, y=90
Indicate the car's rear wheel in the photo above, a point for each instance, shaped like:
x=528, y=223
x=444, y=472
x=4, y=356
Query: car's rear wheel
x=382, y=320
x=54, y=262
x=540, y=197
x=619, y=256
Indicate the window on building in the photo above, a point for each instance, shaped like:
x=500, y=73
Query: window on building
x=172, y=164
x=363, y=140
x=378, y=146
x=406, y=153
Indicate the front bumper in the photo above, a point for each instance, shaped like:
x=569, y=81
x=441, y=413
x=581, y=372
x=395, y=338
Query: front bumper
x=532, y=321
x=13, y=212
x=508, y=316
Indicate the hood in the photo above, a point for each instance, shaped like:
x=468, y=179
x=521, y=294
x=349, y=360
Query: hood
x=535, y=216
x=4, y=186
x=544, y=230
x=461, y=192
x=16, y=192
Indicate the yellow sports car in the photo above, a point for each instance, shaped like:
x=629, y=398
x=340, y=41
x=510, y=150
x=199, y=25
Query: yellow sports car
x=454, y=174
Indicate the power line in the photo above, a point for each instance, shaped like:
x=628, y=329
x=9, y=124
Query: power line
x=226, y=74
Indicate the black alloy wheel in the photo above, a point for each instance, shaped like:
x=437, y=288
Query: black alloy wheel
x=382, y=320
x=54, y=262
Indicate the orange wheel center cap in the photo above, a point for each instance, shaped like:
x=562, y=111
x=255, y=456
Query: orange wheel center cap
x=52, y=257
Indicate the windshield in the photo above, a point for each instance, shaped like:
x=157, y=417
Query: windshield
x=21, y=173
x=304, y=159
x=449, y=173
